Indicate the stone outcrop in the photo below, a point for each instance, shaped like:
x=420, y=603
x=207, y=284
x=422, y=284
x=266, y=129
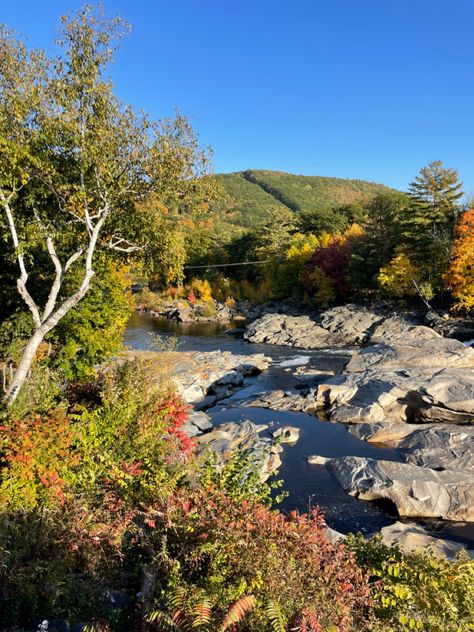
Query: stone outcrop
x=411, y=536
x=345, y=326
x=216, y=374
x=227, y=439
x=291, y=331
x=415, y=491
x=414, y=352
x=414, y=395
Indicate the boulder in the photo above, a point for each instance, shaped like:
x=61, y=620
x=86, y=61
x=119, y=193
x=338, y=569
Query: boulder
x=415, y=491
x=292, y=331
x=227, y=439
x=413, y=352
x=316, y=459
x=442, y=447
x=419, y=395
x=287, y=434
x=411, y=536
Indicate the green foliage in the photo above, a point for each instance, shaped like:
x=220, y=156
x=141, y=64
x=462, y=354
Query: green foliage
x=428, y=225
x=220, y=550
x=418, y=591
x=93, y=331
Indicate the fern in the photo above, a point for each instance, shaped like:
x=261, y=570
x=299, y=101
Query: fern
x=276, y=617
x=237, y=612
x=163, y=622
x=307, y=621
x=202, y=613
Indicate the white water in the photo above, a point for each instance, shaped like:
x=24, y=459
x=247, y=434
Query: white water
x=298, y=361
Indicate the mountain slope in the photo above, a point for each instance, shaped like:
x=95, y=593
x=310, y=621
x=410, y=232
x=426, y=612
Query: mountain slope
x=257, y=195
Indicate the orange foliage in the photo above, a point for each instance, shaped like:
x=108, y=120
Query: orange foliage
x=460, y=276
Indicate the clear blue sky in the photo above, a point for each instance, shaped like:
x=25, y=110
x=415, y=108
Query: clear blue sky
x=370, y=89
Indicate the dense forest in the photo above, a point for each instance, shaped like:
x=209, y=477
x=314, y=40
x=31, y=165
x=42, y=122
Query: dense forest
x=108, y=516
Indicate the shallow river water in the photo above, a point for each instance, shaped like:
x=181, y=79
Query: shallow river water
x=307, y=485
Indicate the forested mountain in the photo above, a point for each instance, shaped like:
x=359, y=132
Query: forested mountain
x=255, y=195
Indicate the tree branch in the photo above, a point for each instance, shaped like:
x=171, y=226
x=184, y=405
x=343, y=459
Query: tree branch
x=23, y=278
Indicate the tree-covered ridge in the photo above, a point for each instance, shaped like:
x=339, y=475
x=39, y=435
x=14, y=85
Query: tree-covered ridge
x=255, y=194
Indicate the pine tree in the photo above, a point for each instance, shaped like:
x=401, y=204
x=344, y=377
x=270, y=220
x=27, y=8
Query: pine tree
x=429, y=221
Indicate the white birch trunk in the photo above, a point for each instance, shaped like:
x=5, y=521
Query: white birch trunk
x=52, y=313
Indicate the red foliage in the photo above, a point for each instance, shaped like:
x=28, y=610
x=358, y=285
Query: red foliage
x=175, y=413
x=315, y=583
x=333, y=259
x=191, y=297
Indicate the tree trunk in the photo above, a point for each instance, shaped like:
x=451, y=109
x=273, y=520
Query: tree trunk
x=37, y=338
x=26, y=361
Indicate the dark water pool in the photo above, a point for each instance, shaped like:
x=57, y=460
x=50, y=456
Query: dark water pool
x=309, y=485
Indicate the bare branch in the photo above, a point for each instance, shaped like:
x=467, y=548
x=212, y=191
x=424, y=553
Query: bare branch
x=56, y=286
x=116, y=242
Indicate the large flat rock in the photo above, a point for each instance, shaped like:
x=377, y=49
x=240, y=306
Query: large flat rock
x=291, y=331
x=413, y=352
x=411, y=537
x=198, y=375
x=419, y=395
x=415, y=491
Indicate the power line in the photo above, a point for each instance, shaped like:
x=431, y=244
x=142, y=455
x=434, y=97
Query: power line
x=225, y=265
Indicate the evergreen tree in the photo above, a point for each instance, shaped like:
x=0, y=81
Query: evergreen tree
x=428, y=223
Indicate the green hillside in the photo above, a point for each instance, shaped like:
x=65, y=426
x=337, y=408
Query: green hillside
x=255, y=195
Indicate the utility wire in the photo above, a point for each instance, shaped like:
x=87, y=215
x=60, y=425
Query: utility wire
x=225, y=265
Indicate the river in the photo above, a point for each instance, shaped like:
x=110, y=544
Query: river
x=306, y=485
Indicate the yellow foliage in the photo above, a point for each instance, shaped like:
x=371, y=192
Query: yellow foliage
x=202, y=289
x=324, y=289
x=325, y=239
x=396, y=278
x=353, y=233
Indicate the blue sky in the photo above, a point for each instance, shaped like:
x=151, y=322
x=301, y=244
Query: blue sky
x=371, y=89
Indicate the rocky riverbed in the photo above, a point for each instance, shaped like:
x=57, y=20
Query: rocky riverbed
x=401, y=384
x=405, y=384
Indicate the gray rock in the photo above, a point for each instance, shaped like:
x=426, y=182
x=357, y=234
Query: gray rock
x=333, y=536
x=201, y=420
x=227, y=439
x=351, y=323
x=421, y=395
x=411, y=536
x=316, y=459
x=287, y=434
x=413, y=352
x=293, y=331
x=448, y=447
x=415, y=491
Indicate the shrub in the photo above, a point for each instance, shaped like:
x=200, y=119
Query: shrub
x=396, y=278
x=417, y=591
x=219, y=551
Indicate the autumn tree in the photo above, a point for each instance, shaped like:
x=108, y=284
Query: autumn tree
x=460, y=276
x=75, y=163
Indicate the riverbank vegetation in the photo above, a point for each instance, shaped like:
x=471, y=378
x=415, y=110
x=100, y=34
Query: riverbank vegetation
x=109, y=516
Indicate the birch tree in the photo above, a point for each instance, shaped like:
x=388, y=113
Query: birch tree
x=75, y=162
